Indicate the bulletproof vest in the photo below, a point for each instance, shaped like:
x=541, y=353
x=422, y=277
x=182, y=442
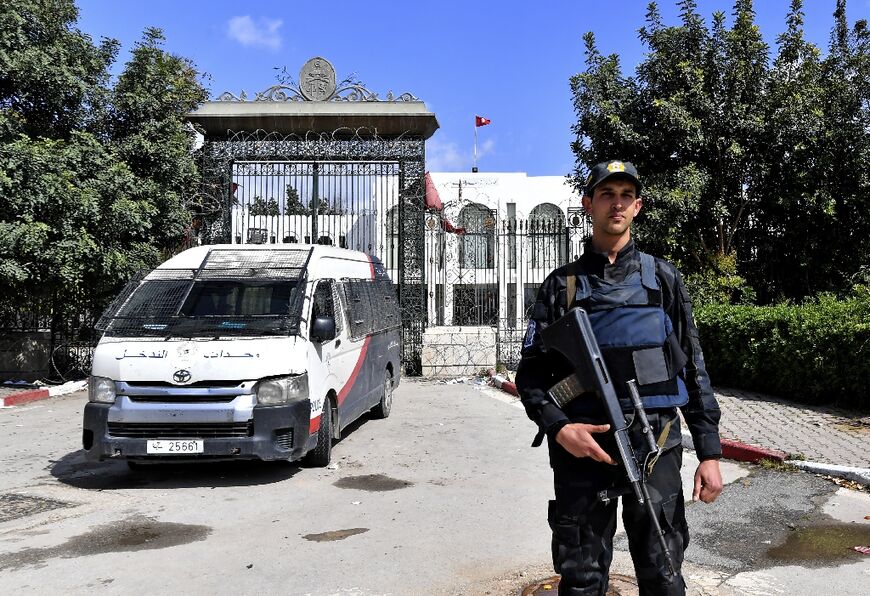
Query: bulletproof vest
x=635, y=335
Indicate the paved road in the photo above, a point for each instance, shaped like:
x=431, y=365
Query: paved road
x=817, y=433
x=442, y=494
x=444, y=497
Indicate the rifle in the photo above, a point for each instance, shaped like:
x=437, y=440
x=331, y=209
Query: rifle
x=572, y=336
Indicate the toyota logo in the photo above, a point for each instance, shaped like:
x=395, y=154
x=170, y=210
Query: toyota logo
x=181, y=376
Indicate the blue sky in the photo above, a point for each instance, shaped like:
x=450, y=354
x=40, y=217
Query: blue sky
x=507, y=60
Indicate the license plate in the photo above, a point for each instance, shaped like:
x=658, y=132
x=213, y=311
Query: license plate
x=174, y=447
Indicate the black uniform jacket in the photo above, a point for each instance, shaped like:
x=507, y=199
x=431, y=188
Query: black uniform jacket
x=538, y=371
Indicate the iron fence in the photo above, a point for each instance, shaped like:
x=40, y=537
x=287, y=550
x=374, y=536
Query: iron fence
x=486, y=270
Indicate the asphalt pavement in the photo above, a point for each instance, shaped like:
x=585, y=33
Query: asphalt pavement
x=754, y=426
x=452, y=463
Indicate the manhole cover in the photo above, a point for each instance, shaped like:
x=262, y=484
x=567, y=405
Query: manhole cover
x=14, y=506
x=620, y=585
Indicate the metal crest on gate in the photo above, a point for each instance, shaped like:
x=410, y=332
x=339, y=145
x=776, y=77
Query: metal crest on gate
x=317, y=79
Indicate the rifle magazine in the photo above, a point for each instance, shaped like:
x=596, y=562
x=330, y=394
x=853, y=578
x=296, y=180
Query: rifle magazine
x=566, y=390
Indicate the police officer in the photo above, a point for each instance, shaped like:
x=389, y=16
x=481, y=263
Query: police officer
x=642, y=317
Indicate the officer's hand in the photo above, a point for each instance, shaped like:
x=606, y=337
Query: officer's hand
x=577, y=440
x=708, y=481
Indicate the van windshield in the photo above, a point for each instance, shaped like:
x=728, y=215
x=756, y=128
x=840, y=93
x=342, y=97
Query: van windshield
x=209, y=308
x=234, y=292
x=236, y=298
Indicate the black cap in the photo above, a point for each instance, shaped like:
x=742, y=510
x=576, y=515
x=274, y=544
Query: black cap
x=612, y=169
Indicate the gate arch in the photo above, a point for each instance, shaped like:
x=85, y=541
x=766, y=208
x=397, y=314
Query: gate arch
x=291, y=165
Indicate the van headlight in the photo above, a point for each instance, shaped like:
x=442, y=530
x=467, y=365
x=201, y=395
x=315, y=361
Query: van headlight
x=101, y=390
x=283, y=390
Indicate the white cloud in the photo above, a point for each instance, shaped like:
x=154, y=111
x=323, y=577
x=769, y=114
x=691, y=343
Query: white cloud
x=262, y=32
x=487, y=147
x=444, y=157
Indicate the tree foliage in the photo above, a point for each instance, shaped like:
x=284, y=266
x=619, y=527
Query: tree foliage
x=93, y=176
x=261, y=206
x=754, y=163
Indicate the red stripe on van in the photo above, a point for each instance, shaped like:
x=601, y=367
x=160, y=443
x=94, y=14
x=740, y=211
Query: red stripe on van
x=342, y=395
x=314, y=425
x=359, y=364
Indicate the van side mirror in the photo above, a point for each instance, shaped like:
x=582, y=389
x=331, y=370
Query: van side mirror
x=323, y=329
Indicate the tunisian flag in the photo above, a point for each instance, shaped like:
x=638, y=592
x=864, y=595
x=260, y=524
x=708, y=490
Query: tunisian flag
x=481, y=121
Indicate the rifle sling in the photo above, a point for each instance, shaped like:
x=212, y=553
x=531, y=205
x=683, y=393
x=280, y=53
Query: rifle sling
x=571, y=292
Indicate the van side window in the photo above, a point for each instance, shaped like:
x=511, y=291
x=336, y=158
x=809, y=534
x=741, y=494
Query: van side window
x=371, y=306
x=391, y=315
x=337, y=301
x=322, y=302
x=358, y=307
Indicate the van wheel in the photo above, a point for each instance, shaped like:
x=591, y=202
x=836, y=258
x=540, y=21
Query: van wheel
x=320, y=456
x=382, y=410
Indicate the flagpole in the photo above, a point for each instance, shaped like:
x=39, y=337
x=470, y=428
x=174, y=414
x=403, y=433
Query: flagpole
x=474, y=165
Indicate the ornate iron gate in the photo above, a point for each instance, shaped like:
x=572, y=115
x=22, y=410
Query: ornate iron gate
x=337, y=165
x=360, y=192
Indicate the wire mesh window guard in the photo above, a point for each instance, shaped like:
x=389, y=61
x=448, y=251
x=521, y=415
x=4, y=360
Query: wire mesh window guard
x=477, y=243
x=547, y=232
x=233, y=292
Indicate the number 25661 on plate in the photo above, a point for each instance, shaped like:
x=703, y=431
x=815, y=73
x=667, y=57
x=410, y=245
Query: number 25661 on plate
x=174, y=447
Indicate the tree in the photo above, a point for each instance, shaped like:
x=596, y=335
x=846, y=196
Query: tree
x=150, y=134
x=750, y=166
x=92, y=178
x=52, y=76
x=790, y=210
x=292, y=204
x=260, y=206
x=844, y=152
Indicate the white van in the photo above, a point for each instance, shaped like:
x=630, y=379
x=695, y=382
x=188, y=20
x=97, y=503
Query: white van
x=244, y=351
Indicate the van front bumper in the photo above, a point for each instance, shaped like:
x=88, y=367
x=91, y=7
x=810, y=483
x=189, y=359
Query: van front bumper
x=271, y=433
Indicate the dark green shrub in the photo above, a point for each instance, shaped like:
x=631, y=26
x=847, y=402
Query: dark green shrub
x=818, y=352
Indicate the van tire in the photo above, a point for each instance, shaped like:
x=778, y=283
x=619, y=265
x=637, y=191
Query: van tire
x=320, y=456
x=382, y=410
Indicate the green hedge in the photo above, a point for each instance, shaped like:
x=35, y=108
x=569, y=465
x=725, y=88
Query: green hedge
x=817, y=352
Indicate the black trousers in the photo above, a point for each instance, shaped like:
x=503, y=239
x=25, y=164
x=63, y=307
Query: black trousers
x=583, y=527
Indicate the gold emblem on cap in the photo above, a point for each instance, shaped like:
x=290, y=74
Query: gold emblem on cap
x=616, y=166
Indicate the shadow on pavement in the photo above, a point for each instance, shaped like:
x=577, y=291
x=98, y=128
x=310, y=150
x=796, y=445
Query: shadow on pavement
x=76, y=470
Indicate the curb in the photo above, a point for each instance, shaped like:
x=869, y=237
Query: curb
x=738, y=451
x=749, y=453
x=502, y=383
x=24, y=397
x=31, y=395
x=859, y=475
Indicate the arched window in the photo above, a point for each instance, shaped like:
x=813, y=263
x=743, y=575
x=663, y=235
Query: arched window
x=547, y=233
x=391, y=250
x=477, y=244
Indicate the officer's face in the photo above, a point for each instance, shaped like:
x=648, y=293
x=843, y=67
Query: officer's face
x=613, y=206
